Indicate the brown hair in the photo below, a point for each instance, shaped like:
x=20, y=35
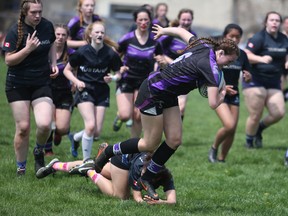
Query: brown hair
x=229, y=46
x=65, y=51
x=272, y=12
x=79, y=5
x=108, y=41
x=24, y=7
x=157, y=7
x=175, y=23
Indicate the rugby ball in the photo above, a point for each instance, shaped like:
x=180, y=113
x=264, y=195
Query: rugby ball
x=202, y=87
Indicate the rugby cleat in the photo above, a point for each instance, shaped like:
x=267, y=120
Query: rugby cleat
x=83, y=168
x=47, y=170
x=148, y=187
x=101, y=159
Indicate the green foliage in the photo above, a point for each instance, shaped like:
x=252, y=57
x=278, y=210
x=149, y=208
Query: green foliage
x=251, y=182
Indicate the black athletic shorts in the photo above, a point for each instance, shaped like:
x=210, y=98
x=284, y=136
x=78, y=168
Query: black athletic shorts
x=30, y=93
x=62, y=99
x=153, y=105
x=98, y=95
x=128, y=85
x=120, y=161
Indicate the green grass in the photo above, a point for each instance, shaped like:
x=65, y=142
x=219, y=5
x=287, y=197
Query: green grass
x=251, y=182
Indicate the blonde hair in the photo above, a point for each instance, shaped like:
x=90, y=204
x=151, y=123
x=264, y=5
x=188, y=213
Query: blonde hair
x=79, y=5
x=108, y=41
x=24, y=8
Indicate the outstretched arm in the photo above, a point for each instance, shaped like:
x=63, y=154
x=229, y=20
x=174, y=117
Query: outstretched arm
x=172, y=31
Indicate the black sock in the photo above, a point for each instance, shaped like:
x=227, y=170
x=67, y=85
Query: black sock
x=261, y=127
x=129, y=146
x=249, y=139
x=159, y=158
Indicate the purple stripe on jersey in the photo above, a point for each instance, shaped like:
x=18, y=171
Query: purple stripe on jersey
x=141, y=53
x=214, y=66
x=73, y=21
x=161, y=85
x=144, y=104
x=126, y=37
x=153, y=74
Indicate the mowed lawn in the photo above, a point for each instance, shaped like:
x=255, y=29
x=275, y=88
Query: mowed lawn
x=251, y=182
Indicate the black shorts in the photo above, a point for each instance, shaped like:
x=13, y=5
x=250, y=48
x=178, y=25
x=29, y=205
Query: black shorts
x=128, y=85
x=153, y=105
x=30, y=93
x=258, y=82
x=62, y=99
x=232, y=99
x=120, y=161
x=99, y=95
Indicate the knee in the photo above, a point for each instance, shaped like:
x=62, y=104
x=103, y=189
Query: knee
x=62, y=130
x=174, y=142
x=230, y=128
x=124, y=117
x=23, y=129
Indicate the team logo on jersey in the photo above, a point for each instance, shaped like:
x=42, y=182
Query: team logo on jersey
x=251, y=45
x=7, y=44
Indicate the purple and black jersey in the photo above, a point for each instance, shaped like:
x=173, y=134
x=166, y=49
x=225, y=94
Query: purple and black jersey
x=61, y=82
x=182, y=75
x=34, y=70
x=262, y=43
x=93, y=65
x=232, y=71
x=171, y=45
x=76, y=31
x=139, y=58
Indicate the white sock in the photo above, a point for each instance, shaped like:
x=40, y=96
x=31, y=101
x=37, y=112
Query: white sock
x=86, y=146
x=78, y=136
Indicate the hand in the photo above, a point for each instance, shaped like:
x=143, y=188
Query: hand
x=157, y=30
x=80, y=85
x=247, y=76
x=266, y=59
x=32, y=42
x=150, y=200
x=55, y=72
x=160, y=59
x=123, y=69
x=230, y=90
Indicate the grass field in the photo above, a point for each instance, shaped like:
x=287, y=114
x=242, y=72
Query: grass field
x=251, y=182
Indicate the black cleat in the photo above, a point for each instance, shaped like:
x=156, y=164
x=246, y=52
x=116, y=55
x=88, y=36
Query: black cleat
x=47, y=170
x=39, y=159
x=146, y=185
x=212, y=156
x=101, y=159
x=258, y=140
x=83, y=168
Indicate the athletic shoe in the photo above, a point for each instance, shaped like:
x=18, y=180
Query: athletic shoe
x=47, y=170
x=145, y=185
x=20, y=171
x=212, y=156
x=117, y=123
x=74, y=145
x=258, y=140
x=83, y=168
x=101, y=159
x=57, y=139
x=249, y=145
x=129, y=123
x=39, y=159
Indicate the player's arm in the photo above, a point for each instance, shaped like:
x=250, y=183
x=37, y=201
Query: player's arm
x=170, y=198
x=172, y=31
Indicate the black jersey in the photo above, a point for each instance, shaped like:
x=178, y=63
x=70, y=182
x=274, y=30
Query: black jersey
x=61, y=82
x=76, y=31
x=34, y=70
x=198, y=64
x=136, y=163
x=262, y=43
x=93, y=65
x=139, y=58
x=232, y=71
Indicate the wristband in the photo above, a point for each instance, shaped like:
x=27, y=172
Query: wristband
x=114, y=78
